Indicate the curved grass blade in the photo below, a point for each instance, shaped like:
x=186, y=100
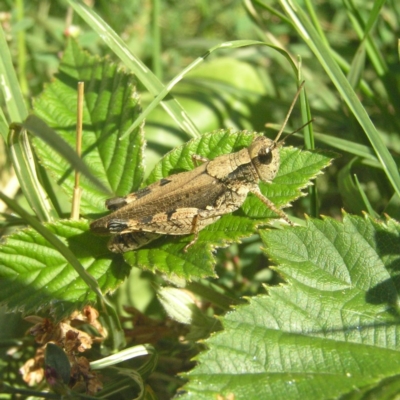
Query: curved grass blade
x=124, y=355
x=323, y=53
x=149, y=80
x=166, y=90
x=347, y=146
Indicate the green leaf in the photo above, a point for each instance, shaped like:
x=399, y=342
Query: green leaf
x=296, y=169
x=57, y=360
x=331, y=329
x=33, y=275
x=167, y=255
x=110, y=106
x=387, y=389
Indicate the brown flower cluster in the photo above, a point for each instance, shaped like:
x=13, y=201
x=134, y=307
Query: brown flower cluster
x=73, y=341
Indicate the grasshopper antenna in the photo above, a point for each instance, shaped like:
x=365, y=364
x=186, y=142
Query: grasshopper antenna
x=297, y=130
x=289, y=112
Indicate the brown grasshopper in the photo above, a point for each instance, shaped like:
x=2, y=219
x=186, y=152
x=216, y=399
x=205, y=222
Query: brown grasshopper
x=187, y=202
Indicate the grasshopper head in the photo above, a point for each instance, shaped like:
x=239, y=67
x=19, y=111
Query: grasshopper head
x=264, y=155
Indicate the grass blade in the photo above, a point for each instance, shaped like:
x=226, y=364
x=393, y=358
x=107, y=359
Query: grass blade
x=9, y=84
x=43, y=131
x=323, y=53
x=25, y=169
x=149, y=80
x=166, y=90
x=18, y=142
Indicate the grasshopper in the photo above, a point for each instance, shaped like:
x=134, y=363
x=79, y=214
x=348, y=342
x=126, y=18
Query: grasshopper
x=187, y=202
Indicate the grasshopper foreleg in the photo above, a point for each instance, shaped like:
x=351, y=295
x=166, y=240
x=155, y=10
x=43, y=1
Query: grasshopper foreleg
x=256, y=191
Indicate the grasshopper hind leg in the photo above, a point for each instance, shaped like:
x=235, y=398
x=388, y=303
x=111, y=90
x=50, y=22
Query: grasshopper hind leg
x=130, y=241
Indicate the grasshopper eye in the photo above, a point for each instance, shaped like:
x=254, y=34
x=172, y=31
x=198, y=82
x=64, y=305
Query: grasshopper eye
x=265, y=156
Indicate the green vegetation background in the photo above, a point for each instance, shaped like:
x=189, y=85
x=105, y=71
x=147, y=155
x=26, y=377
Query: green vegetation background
x=244, y=88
